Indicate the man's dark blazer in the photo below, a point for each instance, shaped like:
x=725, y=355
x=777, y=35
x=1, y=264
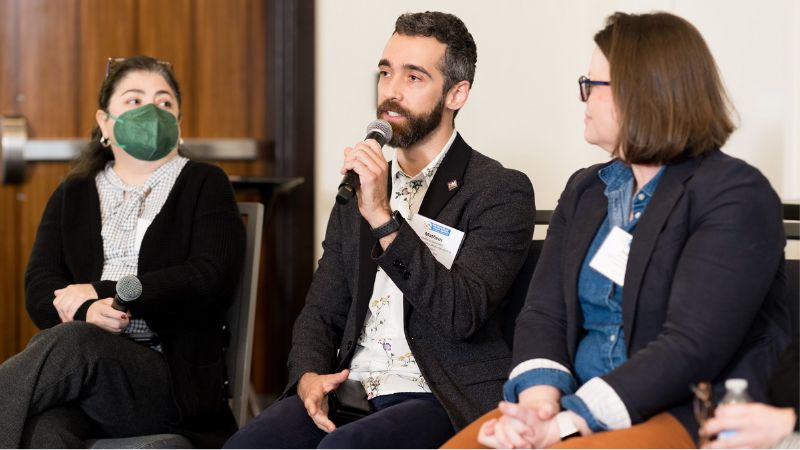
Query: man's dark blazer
x=452, y=320
x=704, y=286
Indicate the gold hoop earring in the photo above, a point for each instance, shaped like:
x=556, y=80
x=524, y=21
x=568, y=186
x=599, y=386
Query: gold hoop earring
x=105, y=142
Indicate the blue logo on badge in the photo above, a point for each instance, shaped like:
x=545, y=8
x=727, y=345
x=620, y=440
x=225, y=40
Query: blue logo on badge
x=437, y=228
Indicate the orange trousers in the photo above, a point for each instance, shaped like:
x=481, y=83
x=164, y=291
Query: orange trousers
x=661, y=431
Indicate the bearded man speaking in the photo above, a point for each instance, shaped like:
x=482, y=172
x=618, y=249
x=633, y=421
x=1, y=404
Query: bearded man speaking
x=405, y=305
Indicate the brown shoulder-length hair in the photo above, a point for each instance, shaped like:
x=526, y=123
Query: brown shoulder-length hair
x=94, y=157
x=667, y=88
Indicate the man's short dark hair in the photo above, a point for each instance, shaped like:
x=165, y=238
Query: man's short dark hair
x=461, y=54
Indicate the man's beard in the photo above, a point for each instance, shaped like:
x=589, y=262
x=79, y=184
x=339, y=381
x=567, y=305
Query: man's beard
x=416, y=128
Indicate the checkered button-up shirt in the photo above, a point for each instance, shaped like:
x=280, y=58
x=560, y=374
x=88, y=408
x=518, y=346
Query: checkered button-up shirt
x=126, y=212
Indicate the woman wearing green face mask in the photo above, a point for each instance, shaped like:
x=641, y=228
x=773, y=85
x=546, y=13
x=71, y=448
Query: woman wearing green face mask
x=131, y=206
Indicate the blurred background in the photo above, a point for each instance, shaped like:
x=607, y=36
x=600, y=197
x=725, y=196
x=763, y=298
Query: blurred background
x=295, y=81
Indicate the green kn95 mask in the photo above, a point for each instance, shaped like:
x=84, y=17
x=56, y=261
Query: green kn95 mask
x=147, y=133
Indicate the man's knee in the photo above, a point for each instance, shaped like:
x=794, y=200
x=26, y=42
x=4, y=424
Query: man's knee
x=408, y=424
x=346, y=437
x=285, y=424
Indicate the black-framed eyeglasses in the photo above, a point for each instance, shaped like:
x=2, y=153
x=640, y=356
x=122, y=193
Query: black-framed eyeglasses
x=111, y=63
x=586, y=84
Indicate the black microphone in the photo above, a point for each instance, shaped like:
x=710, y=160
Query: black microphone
x=129, y=288
x=381, y=131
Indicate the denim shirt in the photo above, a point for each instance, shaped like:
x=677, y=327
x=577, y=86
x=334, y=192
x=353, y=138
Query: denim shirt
x=602, y=348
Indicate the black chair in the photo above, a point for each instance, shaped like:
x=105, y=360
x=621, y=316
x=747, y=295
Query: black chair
x=791, y=216
x=515, y=297
x=793, y=292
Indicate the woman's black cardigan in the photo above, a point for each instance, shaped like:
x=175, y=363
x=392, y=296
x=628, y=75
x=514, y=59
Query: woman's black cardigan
x=189, y=264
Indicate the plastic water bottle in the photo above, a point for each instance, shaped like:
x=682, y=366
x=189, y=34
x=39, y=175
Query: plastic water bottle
x=735, y=392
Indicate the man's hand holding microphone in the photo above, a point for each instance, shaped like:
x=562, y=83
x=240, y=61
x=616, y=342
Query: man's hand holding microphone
x=366, y=170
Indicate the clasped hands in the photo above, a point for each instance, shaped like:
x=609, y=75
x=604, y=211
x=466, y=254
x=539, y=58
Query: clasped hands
x=67, y=300
x=523, y=425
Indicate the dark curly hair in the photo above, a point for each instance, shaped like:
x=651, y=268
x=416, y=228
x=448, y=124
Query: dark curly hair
x=461, y=54
x=94, y=157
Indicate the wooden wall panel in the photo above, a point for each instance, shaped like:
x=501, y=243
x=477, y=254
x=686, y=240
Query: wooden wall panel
x=48, y=84
x=9, y=249
x=230, y=79
x=107, y=29
x=259, y=40
x=43, y=178
x=9, y=291
x=48, y=69
x=9, y=33
x=223, y=83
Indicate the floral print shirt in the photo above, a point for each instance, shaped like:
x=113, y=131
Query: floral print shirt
x=383, y=361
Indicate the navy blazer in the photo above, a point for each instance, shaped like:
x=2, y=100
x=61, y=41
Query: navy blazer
x=704, y=286
x=453, y=320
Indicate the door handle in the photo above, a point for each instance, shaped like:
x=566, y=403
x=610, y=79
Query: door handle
x=16, y=149
x=12, y=147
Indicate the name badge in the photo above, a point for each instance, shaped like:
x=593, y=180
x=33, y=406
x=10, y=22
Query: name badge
x=443, y=241
x=611, y=258
x=141, y=229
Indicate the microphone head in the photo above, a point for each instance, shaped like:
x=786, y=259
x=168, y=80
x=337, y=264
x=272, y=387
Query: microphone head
x=129, y=288
x=382, y=128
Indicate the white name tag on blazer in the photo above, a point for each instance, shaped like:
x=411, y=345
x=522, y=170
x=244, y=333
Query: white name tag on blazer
x=443, y=241
x=611, y=258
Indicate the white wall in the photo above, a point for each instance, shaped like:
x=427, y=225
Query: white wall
x=524, y=110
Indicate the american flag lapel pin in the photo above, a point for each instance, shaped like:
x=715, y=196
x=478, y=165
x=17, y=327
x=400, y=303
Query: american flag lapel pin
x=452, y=184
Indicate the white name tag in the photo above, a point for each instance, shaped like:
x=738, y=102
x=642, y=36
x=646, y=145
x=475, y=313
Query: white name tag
x=611, y=258
x=141, y=229
x=443, y=241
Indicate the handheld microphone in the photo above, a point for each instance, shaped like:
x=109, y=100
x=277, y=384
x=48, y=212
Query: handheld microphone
x=381, y=131
x=129, y=288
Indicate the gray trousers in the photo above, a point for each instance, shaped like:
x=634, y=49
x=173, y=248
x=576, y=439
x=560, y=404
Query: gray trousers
x=76, y=381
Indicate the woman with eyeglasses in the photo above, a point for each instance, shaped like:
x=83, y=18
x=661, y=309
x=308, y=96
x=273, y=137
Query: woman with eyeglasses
x=661, y=268
x=132, y=206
